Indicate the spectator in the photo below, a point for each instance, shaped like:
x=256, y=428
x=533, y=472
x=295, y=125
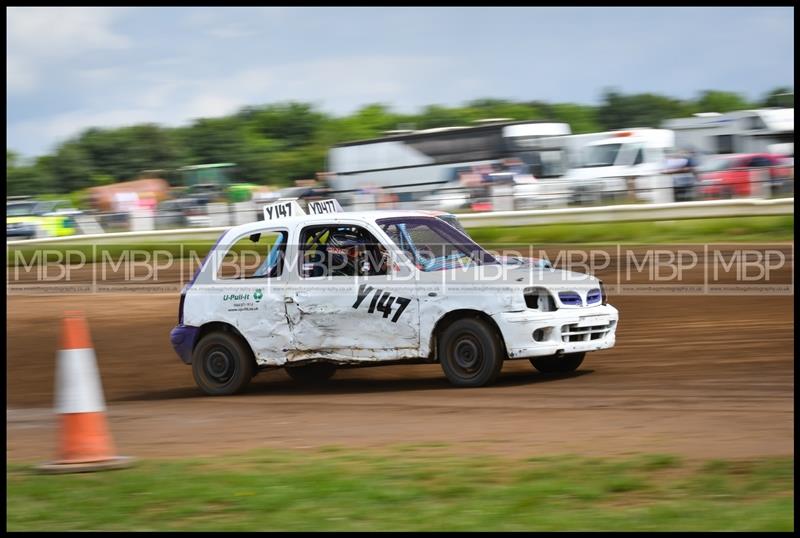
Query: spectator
x=515, y=166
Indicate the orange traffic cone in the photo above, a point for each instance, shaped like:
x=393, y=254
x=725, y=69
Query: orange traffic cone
x=86, y=444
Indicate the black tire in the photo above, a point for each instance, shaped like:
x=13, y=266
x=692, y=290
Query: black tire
x=558, y=364
x=470, y=353
x=312, y=374
x=222, y=364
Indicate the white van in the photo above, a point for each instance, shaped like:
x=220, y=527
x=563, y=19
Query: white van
x=623, y=161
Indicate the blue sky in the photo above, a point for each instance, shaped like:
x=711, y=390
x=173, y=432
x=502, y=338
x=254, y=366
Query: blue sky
x=72, y=68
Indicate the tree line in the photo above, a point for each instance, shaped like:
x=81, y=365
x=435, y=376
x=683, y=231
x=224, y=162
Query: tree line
x=278, y=143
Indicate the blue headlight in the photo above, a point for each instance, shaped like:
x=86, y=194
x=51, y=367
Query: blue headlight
x=594, y=296
x=570, y=298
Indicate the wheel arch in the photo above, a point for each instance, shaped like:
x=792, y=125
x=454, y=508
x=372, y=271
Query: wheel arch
x=221, y=326
x=454, y=315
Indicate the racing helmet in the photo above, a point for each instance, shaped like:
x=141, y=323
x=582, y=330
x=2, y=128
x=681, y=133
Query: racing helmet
x=346, y=251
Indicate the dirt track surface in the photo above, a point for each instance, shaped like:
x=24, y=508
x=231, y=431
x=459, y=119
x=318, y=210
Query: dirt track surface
x=689, y=375
x=699, y=376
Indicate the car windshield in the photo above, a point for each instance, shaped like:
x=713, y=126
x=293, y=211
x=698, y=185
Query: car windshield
x=601, y=155
x=20, y=209
x=46, y=207
x=434, y=245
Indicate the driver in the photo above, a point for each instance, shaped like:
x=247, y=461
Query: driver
x=347, y=253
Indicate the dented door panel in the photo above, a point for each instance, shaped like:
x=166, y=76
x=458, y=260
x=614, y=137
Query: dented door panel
x=354, y=318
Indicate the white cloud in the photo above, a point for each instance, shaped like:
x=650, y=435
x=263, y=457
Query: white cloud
x=211, y=105
x=71, y=68
x=36, y=37
x=337, y=84
x=341, y=83
x=156, y=96
x=69, y=123
x=62, y=31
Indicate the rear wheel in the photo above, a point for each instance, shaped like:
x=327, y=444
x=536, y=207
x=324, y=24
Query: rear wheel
x=470, y=353
x=312, y=373
x=222, y=364
x=558, y=363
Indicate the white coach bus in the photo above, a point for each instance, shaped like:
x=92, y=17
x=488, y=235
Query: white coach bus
x=414, y=163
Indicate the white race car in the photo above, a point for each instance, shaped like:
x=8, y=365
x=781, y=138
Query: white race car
x=330, y=289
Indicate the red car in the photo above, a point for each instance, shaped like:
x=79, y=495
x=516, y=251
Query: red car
x=739, y=175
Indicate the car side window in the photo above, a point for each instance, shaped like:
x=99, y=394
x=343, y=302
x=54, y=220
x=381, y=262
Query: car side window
x=340, y=251
x=258, y=255
x=394, y=234
x=639, y=157
x=760, y=162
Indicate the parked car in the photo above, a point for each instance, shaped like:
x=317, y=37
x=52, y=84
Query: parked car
x=28, y=219
x=181, y=213
x=733, y=175
x=206, y=192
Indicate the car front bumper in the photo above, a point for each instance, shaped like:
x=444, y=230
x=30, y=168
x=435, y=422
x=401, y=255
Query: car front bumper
x=183, y=338
x=567, y=330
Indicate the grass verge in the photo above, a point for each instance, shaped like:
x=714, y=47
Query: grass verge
x=712, y=230
x=413, y=487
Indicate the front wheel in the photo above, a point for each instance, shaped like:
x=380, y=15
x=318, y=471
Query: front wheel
x=222, y=364
x=470, y=353
x=312, y=374
x=558, y=363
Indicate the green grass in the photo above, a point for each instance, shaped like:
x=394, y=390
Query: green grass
x=713, y=230
x=413, y=487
